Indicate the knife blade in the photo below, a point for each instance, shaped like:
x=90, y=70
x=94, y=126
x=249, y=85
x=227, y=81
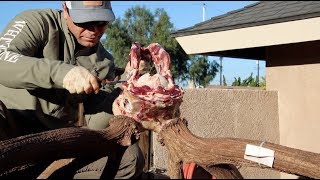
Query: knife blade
x=114, y=82
x=107, y=82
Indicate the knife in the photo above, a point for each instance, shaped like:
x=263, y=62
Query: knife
x=107, y=82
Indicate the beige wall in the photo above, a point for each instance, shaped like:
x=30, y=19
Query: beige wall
x=298, y=85
x=294, y=71
x=240, y=113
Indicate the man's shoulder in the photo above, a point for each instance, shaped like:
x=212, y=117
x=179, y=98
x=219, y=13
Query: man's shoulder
x=34, y=13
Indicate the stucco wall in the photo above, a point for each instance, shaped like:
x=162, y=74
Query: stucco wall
x=239, y=113
x=294, y=71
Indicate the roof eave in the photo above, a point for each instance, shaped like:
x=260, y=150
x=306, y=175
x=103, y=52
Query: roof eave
x=252, y=37
x=191, y=31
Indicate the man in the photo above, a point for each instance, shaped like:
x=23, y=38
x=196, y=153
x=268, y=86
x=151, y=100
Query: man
x=50, y=62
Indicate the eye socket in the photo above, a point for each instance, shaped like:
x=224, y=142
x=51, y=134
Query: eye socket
x=87, y=25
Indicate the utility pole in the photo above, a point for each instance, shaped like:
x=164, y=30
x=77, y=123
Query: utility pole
x=203, y=12
x=258, y=68
x=220, y=70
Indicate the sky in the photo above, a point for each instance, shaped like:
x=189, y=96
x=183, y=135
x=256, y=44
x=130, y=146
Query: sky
x=182, y=14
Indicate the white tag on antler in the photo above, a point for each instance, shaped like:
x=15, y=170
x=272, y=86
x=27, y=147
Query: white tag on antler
x=259, y=154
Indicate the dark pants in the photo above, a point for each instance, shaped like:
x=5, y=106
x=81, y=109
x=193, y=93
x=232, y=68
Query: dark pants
x=130, y=167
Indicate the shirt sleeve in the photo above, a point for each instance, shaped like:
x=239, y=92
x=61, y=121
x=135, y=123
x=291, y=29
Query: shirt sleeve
x=21, y=66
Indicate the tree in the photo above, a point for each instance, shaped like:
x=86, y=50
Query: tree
x=141, y=25
x=201, y=71
x=118, y=42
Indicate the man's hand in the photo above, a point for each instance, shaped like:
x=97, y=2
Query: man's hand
x=79, y=80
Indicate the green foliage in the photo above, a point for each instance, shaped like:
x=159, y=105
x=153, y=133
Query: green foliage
x=263, y=83
x=118, y=42
x=249, y=82
x=201, y=71
x=236, y=82
x=139, y=21
x=224, y=81
x=143, y=26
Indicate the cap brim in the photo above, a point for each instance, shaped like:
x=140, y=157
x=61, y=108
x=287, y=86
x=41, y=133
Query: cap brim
x=82, y=16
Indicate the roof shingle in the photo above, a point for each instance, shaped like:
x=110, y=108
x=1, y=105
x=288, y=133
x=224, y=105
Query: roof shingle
x=259, y=13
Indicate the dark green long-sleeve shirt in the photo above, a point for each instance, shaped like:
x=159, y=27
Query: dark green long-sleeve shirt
x=36, y=52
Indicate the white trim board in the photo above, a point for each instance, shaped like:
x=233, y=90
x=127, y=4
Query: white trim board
x=257, y=36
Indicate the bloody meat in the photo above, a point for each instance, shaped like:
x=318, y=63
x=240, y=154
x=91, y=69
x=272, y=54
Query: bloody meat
x=148, y=96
